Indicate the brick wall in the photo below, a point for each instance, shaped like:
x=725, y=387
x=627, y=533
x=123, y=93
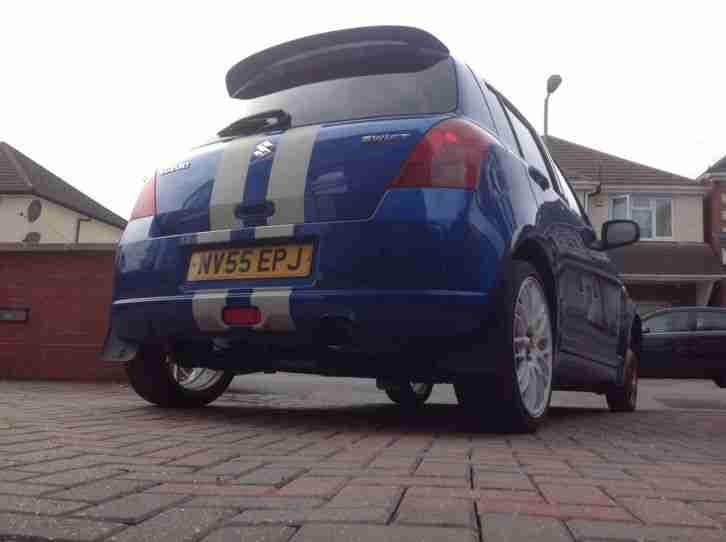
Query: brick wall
x=68, y=290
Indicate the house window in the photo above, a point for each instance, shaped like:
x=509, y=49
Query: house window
x=653, y=215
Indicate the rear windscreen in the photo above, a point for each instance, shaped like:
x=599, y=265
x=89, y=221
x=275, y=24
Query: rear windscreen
x=424, y=91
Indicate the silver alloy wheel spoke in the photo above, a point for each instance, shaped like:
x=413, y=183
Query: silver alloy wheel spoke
x=194, y=379
x=419, y=388
x=533, y=346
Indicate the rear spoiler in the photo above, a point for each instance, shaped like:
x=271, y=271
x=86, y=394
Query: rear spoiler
x=262, y=72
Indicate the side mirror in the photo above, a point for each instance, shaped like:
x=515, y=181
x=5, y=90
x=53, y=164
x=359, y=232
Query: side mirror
x=618, y=233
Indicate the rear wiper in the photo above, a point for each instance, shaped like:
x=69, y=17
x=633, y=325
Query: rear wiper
x=274, y=118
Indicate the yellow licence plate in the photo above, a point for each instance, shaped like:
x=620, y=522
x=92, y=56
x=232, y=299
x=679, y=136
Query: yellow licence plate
x=251, y=263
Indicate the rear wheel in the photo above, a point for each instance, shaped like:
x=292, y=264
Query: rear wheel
x=624, y=398
x=518, y=399
x=156, y=378
x=410, y=394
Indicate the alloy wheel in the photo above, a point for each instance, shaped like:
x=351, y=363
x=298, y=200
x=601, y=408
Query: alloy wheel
x=533, y=346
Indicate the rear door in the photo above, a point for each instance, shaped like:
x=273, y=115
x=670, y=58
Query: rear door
x=667, y=341
x=708, y=343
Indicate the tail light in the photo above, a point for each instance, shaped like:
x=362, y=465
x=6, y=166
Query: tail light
x=449, y=156
x=241, y=316
x=146, y=202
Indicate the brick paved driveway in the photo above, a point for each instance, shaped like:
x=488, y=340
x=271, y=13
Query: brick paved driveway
x=93, y=462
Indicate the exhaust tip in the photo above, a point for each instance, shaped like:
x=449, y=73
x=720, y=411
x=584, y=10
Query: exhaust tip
x=335, y=331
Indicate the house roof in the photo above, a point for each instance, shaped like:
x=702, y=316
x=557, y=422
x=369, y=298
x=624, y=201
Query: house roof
x=21, y=175
x=718, y=167
x=666, y=258
x=580, y=162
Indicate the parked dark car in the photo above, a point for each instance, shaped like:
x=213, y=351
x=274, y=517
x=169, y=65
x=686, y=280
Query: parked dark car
x=379, y=211
x=685, y=342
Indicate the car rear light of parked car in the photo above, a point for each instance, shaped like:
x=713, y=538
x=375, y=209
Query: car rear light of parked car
x=449, y=156
x=146, y=202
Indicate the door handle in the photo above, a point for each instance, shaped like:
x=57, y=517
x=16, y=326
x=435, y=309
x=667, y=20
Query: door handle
x=538, y=177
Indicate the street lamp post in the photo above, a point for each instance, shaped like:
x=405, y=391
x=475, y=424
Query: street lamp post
x=553, y=82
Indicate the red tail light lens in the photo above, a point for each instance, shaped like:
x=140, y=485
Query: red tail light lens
x=146, y=202
x=449, y=156
x=241, y=316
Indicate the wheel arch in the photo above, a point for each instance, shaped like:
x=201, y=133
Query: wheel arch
x=533, y=251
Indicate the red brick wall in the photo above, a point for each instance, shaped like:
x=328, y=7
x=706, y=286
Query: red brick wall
x=68, y=293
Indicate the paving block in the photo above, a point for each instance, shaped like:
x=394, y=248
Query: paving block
x=252, y=534
x=38, y=506
x=131, y=508
x=309, y=486
x=561, y=494
x=376, y=533
x=667, y=512
x=100, y=490
x=175, y=525
x=440, y=512
x=352, y=496
x=50, y=528
x=610, y=530
x=511, y=528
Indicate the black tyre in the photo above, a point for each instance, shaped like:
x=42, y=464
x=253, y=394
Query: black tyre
x=624, y=398
x=517, y=398
x=720, y=381
x=410, y=394
x=157, y=379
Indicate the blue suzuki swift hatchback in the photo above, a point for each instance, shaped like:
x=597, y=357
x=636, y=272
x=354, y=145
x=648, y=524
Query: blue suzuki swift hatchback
x=377, y=211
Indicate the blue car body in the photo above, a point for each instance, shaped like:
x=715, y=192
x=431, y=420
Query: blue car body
x=403, y=279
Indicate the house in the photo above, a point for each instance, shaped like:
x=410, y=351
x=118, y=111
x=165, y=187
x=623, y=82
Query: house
x=36, y=206
x=673, y=264
x=714, y=179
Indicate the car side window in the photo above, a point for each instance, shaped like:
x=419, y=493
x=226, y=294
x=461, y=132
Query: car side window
x=472, y=101
x=710, y=321
x=530, y=150
x=668, y=322
x=566, y=189
x=504, y=129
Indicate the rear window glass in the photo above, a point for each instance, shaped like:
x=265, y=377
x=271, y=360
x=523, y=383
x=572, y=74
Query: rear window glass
x=430, y=90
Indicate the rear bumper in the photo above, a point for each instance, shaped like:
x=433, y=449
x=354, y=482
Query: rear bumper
x=424, y=266
x=371, y=316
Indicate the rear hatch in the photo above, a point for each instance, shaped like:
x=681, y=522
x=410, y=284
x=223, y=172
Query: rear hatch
x=340, y=116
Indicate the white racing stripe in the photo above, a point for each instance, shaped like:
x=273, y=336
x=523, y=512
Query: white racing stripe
x=216, y=236
x=267, y=232
x=229, y=183
x=289, y=174
x=275, y=308
x=207, y=309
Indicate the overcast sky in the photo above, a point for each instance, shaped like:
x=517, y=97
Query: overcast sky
x=102, y=94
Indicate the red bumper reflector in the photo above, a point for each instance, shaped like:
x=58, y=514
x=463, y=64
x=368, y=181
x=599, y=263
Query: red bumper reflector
x=241, y=316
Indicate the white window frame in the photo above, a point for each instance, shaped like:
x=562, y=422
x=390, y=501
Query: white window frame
x=652, y=206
